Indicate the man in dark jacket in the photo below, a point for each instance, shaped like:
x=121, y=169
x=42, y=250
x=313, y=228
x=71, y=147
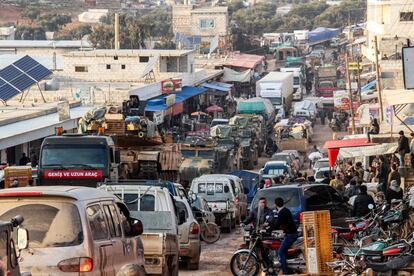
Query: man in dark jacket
x=382, y=175
x=326, y=178
x=394, y=191
x=286, y=223
x=264, y=212
x=361, y=202
x=403, y=147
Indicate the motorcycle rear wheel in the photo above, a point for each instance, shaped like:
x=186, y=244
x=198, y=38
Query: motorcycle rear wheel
x=251, y=268
x=210, y=233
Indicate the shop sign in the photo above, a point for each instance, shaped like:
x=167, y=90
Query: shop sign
x=170, y=100
x=341, y=100
x=171, y=85
x=158, y=117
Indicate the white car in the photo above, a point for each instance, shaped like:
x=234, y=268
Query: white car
x=321, y=163
x=319, y=174
x=189, y=233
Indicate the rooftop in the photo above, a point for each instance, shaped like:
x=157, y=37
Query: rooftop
x=46, y=61
x=129, y=53
x=44, y=44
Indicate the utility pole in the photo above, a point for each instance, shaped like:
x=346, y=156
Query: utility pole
x=351, y=102
x=378, y=79
x=359, y=80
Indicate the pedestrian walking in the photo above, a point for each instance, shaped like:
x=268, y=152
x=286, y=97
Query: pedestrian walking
x=382, y=175
x=322, y=115
x=352, y=189
x=403, y=147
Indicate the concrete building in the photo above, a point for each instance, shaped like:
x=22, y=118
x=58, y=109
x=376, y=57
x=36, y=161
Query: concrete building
x=7, y=33
x=42, y=47
x=126, y=65
x=203, y=22
x=392, y=21
x=92, y=15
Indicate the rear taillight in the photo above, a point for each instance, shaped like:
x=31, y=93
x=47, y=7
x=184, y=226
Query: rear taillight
x=237, y=199
x=301, y=217
x=76, y=265
x=194, y=228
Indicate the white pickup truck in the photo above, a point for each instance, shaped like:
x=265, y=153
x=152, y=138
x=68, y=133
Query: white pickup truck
x=152, y=203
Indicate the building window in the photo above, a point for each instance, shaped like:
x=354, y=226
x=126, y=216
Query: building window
x=108, y=66
x=81, y=69
x=143, y=59
x=406, y=16
x=115, y=57
x=206, y=23
x=123, y=66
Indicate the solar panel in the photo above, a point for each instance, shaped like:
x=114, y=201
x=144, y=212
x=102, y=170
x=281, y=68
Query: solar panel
x=9, y=73
x=7, y=92
x=20, y=75
x=26, y=63
x=39, y=72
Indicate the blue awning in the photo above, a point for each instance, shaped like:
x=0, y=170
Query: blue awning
x=188, y=92
x=221, y=86
x=369, y=86
x=158, y=104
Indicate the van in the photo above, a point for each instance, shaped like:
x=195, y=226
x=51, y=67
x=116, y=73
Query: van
x=225, y=196
x=74, y=230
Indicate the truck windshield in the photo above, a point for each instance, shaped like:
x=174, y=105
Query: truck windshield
x=74, y=156
x=206, y=154
x=275, y=101
x=50, y=224
x=296, y=80
x=188, y=153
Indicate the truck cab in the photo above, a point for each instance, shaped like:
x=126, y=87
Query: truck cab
x=77, y=160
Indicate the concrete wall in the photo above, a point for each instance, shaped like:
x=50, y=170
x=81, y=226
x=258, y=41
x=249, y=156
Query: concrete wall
x=219, y=16
x=97, y=69
x=181, y=19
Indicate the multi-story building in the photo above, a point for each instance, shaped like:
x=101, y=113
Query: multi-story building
x=205, y=23
x=392, y=21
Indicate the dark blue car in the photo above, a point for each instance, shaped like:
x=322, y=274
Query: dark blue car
x=307, y=197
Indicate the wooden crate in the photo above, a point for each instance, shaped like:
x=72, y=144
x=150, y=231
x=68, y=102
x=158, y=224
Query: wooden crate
x=115, y=124
x=20, y=173
x=318, y=242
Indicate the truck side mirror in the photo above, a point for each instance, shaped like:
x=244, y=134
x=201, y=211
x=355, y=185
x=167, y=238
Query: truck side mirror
x=117, y=157
x=136, y=227
x=22, y=238
x=226, y=189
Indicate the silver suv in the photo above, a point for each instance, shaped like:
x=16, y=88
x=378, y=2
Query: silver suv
x=74, y=230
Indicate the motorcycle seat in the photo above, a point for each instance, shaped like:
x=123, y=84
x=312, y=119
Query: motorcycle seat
x=372, y=252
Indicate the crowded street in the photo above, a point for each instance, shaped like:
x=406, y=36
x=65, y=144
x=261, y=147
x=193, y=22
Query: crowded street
x=195, y=138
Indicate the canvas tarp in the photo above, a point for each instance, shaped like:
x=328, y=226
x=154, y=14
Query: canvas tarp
x=221, y=131
x=232, y=75
x=381, y=149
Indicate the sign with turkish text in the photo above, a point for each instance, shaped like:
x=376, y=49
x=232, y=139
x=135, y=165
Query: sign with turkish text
x=68, y=174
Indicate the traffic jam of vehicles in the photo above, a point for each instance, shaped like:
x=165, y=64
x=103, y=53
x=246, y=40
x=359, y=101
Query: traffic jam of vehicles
x=126, y=196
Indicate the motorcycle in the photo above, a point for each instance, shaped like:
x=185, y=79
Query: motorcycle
x=249, y=259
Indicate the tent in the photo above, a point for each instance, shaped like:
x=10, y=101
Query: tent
x=385, y=148
x=334, y=146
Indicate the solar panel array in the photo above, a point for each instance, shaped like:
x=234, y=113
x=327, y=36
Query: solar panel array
x=19, y=76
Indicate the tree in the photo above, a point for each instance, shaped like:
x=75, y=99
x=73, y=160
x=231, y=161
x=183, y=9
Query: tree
x=30, y=33
x=31, y=13
x=102, y=37
x=53, y=22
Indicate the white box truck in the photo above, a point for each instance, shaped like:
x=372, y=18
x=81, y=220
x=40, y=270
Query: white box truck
x=297, y=82
x=278, y=88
